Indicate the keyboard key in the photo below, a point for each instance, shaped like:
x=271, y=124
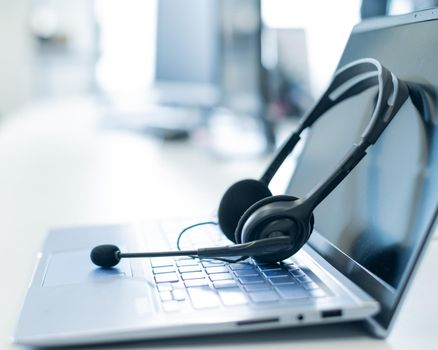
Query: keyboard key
x=183, y=258
x=179, y=294
x=158, y=262
x=166, y=296
x=304, y=279
x=310, y=286
x=221, y=276
x=178, y=284
x=225, y=284
x=298, y=273
x=292, y=267
x=163, y=269
x=291, y=292
x=232, y=296
x=317, y=293
x=233, y=258
x=216, y=269
x=166, y=277
x=190, y=268
x=256, y=286
x=163, y=287
x=275, y=273
x=241, y=273
x=212, y=263
x=251, y=279
x=241, y=266
x=203, y=298
x=267, y=267
x=264, y=296
x=191, y=262
x=192, y=275
x=196, y=283
x=170, y=306
x=282, y=280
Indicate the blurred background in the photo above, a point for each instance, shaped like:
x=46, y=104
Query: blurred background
x=170, y=68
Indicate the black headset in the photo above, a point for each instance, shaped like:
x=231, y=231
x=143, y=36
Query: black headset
x=248, y=211
x=273, y=228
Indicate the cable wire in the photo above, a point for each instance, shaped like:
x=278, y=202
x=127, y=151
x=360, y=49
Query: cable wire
x=178, y=241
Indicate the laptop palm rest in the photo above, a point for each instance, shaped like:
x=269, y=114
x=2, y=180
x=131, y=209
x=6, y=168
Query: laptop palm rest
x=75, y=267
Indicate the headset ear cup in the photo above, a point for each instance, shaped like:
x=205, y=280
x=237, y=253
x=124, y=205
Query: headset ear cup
x=236, y=200
x=252, y=209
x=312, y=225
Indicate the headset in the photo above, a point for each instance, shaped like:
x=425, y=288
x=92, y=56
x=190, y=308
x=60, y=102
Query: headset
x=272, y=228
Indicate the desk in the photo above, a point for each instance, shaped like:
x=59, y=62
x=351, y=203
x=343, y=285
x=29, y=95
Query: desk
x=59, y=167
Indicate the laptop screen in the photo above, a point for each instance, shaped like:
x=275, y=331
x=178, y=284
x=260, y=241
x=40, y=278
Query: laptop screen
x=373, y=226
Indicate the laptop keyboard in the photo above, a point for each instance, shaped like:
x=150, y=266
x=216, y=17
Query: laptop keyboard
x=184, y=282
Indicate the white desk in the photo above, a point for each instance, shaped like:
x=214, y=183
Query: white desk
x=58, y=167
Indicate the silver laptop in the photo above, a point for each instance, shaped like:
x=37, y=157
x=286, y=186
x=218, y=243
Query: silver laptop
x=369, y=235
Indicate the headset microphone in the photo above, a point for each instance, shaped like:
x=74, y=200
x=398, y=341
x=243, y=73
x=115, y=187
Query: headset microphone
x=108, y=255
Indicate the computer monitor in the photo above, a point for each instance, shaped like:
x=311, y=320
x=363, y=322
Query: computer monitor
x=188, y=50
x=374, y=224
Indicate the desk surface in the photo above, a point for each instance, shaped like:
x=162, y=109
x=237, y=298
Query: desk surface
x=60, y=167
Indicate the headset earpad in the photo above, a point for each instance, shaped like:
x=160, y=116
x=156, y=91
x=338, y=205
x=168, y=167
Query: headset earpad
x=253, y=208
x=236, y=200
x=312, y=225
x=258, y=205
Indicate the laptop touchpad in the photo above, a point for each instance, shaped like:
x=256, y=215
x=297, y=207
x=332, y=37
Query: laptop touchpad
x=72, y=267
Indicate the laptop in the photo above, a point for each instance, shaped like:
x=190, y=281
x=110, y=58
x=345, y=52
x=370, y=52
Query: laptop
x=369, y=236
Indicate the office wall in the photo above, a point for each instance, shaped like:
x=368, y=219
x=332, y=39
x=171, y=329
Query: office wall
x=16, y=55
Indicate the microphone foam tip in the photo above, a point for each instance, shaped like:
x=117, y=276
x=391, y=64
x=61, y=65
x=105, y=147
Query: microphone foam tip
x=106, y=255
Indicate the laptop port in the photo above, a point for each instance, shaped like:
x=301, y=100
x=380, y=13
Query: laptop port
x=331, y=313
x=257, y=321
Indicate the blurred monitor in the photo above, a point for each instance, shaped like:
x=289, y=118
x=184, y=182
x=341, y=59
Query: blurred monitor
x=241, y=127
x=286, y=56
x=188, y=51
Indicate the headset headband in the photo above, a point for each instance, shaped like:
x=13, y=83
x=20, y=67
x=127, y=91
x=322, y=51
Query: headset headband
x=351, y=80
